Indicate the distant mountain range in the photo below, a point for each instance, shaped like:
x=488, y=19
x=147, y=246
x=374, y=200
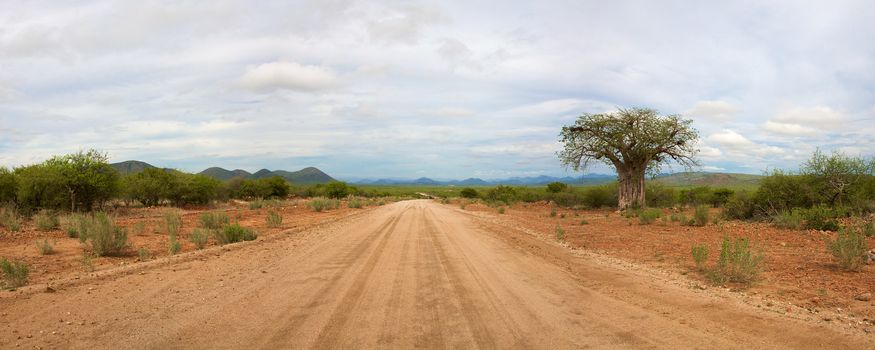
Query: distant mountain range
x=593, y=179
x=676, y=179
x=309, y=175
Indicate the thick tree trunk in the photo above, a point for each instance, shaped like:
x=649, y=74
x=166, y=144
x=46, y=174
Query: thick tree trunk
x=631, y=189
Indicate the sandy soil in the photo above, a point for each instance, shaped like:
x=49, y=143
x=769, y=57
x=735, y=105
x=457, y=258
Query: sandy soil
x=799, y=273
x=408, y=274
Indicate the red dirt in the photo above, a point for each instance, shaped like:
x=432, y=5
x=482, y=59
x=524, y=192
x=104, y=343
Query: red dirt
x=798, y=268
x=67, y=259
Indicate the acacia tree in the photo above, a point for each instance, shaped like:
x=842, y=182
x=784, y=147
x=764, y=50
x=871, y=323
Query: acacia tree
x=834, y=176
x=634, y=141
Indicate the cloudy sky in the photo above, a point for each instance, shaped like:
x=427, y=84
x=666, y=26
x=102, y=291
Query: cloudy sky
x=445, y=89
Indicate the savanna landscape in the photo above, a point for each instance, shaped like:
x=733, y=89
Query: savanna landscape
x=559, y=175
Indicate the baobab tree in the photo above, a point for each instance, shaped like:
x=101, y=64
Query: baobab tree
x=635, y=141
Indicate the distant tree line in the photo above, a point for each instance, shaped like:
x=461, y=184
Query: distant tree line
x=84, y=181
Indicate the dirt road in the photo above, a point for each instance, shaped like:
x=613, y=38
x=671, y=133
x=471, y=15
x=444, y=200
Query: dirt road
x=410, y=274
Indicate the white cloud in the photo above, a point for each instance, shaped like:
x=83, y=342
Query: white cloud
x=288, y=75
x=789, y=129
x=819, y=117
x=713, y=110
x=738, y=147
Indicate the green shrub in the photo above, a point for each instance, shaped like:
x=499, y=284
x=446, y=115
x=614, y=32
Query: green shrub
x=468, y=192
x=320, y=204
x=678, y=217
x=820, y=218
x=556, y=187
x=501, y=193
x=199, y=237
x=848, y=249
x=14, y=273
x=700, y=256
x=87, y=261
x=601, y=196
x=172, y=221
x=354, y=203
x=739, y=207
x=46, y=220
x=274, y=219
x=45, y=248
x=9, y=218
x=338, y=189
x=71, y=224
x=235, y=233
x=737, y=262
x=792, y=220
x=256, y=204
x=584, y=222
x=781, y=192
x=560, y=233
x=106, y=238
x=648, y=216
x=174, y=246
x=143, y=254
x=214, y=220
x=553, y=212
x=501, y=210
x=868, y=229
x=701, y=215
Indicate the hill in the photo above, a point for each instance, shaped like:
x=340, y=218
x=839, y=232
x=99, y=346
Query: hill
x=709, y=179
x=224, y=174
x=308, y=175
x=131, y=166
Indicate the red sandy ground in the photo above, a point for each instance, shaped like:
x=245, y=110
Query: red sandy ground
x=797, y=266
x=67, y=260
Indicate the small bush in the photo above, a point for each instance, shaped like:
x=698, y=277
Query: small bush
x=45, y=248
x=87, y=261
x=560, y=233
x=235, y=233
x=14, y=273
x=71, y=224
x=868, y=229
x=462, y=206
x=274, y=219
x=199, y=238
x=320, y=204
x=820, y=218
x=468, y=192
x=647, y=217
x=106, y=238
x=172, y=222
x=848, y=249
x=174, y=246
x=701, y=215
x=739, y=207
x=258, y=204
x=700, y=256
x=46, y=220
x=789, y=220
x=213, y=220
x=501, y=210
x=354, y=203
x=9, y=218
x=584, y=222
x=737, y=262
x=143, y=254
x=553, y=212
x=678, y=217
